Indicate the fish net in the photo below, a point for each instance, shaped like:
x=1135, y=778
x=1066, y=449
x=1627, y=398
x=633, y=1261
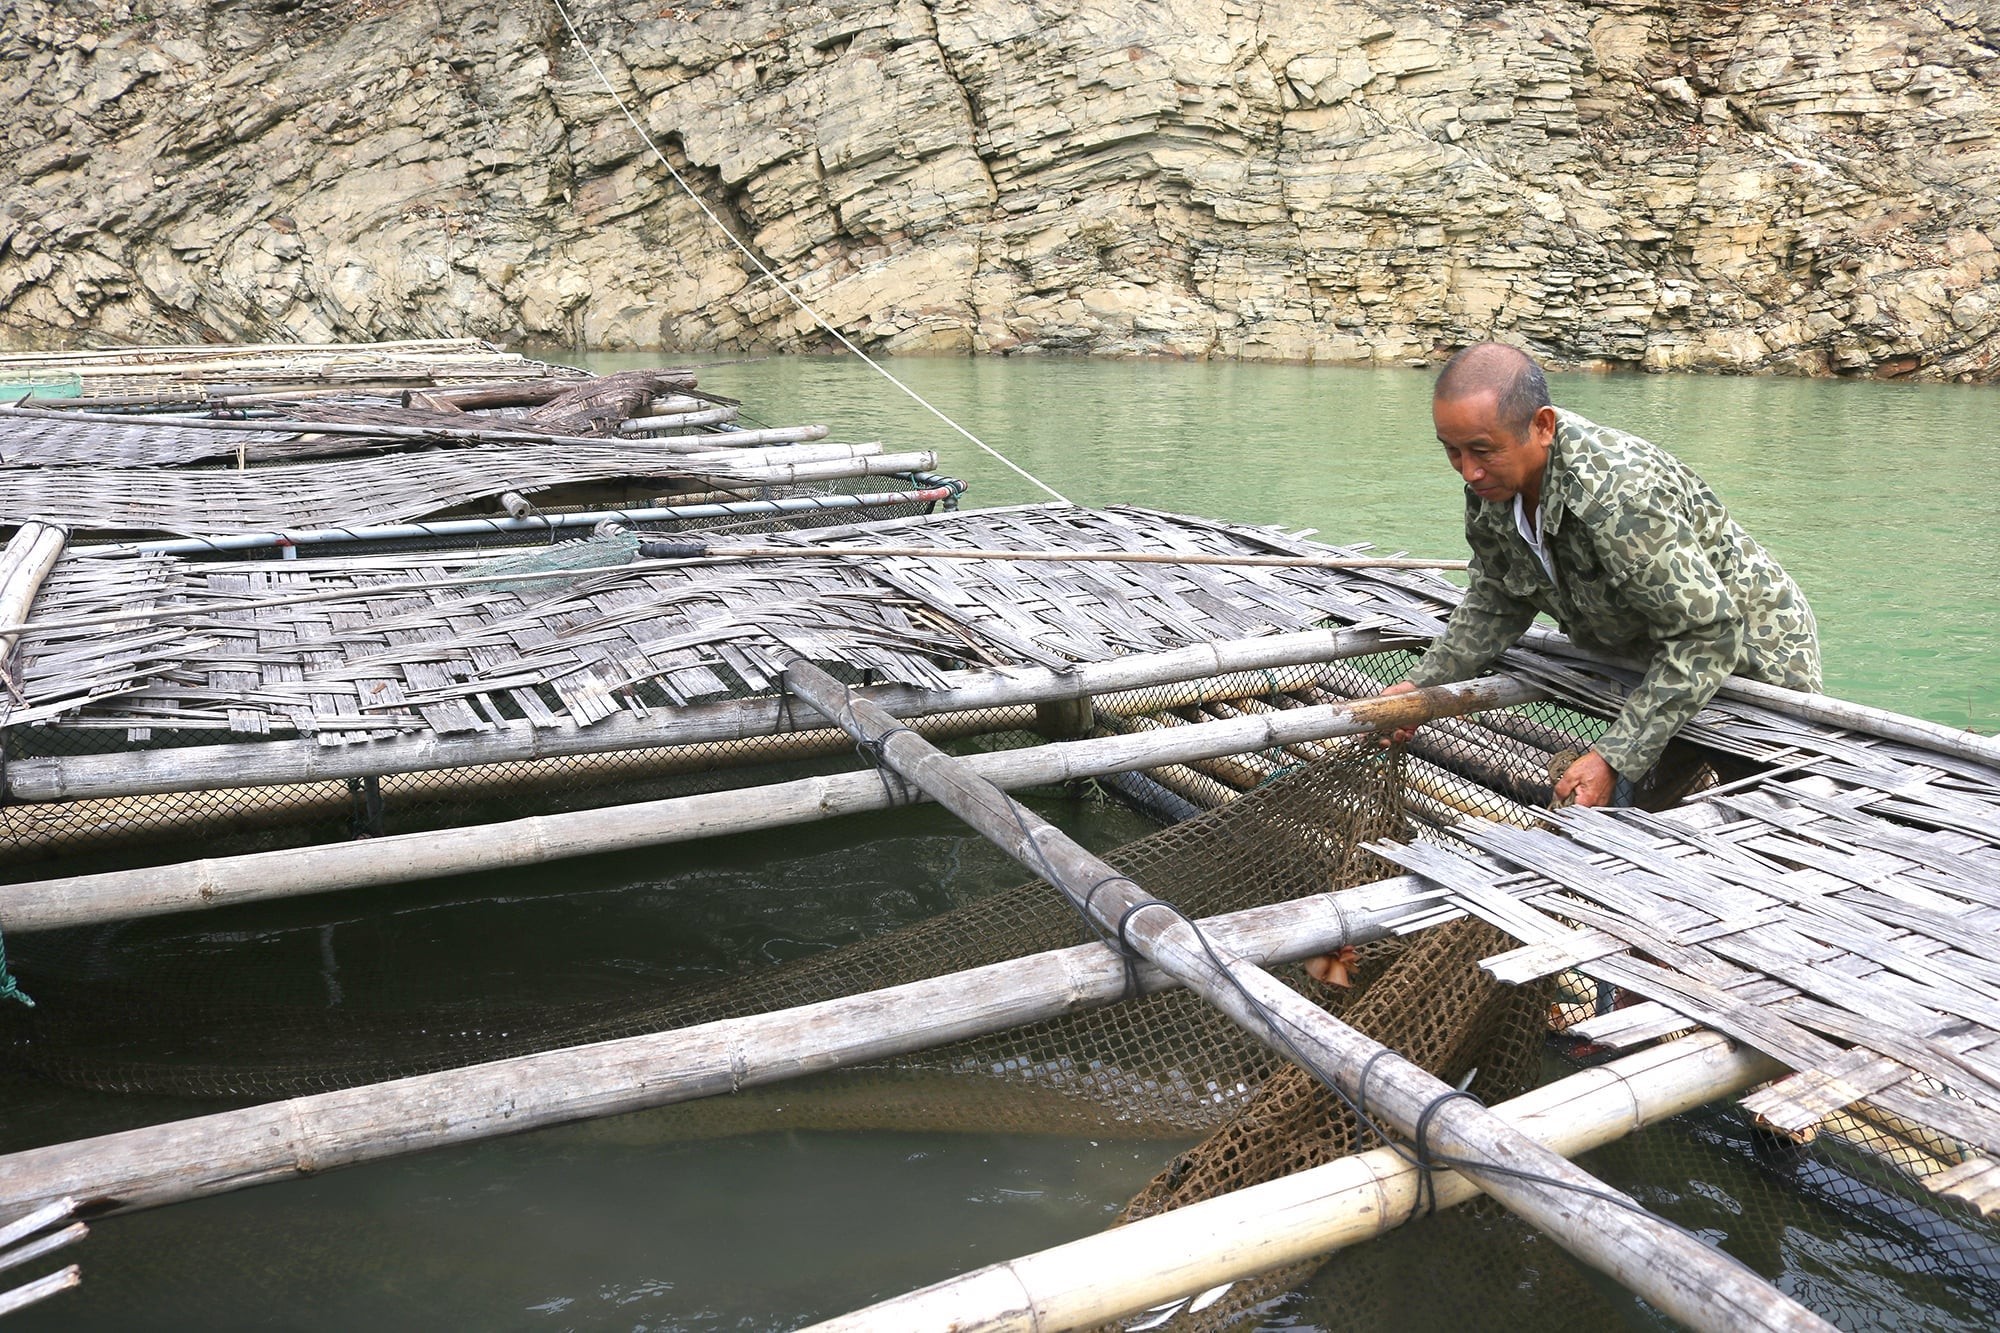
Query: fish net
x=133, y=1007
x=165, y=1009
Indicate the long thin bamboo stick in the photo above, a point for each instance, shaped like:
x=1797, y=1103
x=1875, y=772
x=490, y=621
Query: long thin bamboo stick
x=688, y=549
x=677, y=418
x=688, y=507
x=40, y=1289
x=1603, y=1228
x=212, y=1154
x=218, y=881
x=1194, y=1249
x=248, y=764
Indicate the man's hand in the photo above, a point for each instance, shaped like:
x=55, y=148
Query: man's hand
x=1401, y=735
x=1590, y=780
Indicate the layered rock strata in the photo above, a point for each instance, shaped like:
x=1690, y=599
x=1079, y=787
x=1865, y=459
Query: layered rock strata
x=1807, y=187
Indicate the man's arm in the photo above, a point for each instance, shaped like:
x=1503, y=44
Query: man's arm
x=1487, y=623
x=1699, y=631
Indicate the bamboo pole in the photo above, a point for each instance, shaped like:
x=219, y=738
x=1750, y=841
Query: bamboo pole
x=22, y=577
x=743, y=552
x=40, y=1289
x=1605, y=1229
x=791, y=474
x=678, y=418
x=178, y=355
x=679, y=404
x=212, y=1154
x=740, y=439
x=683, y=507
x=494, y=430
x=396, y=858
x=1303, y=1216
x=1811, y=707
x=271, y=763
x=474, y=397
x=72, y=825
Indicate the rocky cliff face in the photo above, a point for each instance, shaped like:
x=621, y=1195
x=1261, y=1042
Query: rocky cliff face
x=1794, y=185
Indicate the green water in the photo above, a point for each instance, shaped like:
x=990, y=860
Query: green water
x=1877, y=497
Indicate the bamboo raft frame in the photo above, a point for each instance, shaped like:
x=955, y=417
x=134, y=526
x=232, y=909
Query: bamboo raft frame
x=1883, y=832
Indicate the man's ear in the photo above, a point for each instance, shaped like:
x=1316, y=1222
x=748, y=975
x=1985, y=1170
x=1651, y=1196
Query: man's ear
x=1542, y=428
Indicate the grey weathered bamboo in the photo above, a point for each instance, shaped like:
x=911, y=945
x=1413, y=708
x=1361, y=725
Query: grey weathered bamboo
x=76, y=825
x=31, y=554
x=220, y=881
x=270, y=763
x=1821, y=708
x=1669, y=1267
x=212, y=1154
x=678, y=418
x=497, y=430
x=40, y=1289
x=1176, y=1254
x=742, y=551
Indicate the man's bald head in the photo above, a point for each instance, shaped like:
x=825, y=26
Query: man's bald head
x=1509, y=374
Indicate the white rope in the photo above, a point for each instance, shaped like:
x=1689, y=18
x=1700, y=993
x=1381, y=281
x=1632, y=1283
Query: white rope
x=776, y=281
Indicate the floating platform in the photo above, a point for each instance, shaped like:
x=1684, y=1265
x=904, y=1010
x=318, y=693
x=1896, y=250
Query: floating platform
x=1816, y=882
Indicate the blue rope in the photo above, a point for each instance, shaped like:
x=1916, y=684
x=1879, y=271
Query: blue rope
x=9, y=988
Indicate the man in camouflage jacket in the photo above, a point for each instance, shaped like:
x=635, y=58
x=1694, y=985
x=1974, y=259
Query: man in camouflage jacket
x=1638, y=557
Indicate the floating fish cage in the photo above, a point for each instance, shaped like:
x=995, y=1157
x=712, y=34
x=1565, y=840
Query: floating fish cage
x=217, y=704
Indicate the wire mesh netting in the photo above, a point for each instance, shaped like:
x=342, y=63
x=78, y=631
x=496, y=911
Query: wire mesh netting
x=1842, y=1221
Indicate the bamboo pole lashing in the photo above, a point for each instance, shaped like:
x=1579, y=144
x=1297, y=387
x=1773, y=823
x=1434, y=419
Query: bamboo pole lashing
x=1176, y=1254
x=216, y=1153
x=1672, y=1269
x=396, y=858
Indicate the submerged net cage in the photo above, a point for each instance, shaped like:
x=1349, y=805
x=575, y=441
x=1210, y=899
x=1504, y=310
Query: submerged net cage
x=171, y=1008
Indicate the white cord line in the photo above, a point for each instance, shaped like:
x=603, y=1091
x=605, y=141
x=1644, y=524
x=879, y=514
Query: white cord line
x=765, y=269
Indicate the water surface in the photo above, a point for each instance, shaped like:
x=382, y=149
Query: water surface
x=1878, y=498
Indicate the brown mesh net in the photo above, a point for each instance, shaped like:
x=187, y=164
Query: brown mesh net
x=236, y=1006
x=1428, y=1001
x=121, y=1009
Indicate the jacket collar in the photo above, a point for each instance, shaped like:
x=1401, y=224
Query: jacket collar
x=1562, y=488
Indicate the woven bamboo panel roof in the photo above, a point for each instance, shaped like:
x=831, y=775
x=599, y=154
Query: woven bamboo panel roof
x=57, y=440
x=1846, y=923
x=192, y=373
x=457, y=659
x=297, y=427
x=337, y=492
x=567, y=651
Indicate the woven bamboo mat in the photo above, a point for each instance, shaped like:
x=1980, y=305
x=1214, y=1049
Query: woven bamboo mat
x=336, y=492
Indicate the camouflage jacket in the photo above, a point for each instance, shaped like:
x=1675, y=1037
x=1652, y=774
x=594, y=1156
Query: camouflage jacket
x=1648, y=564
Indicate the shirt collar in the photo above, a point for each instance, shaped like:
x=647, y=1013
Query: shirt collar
x=1561, y=488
